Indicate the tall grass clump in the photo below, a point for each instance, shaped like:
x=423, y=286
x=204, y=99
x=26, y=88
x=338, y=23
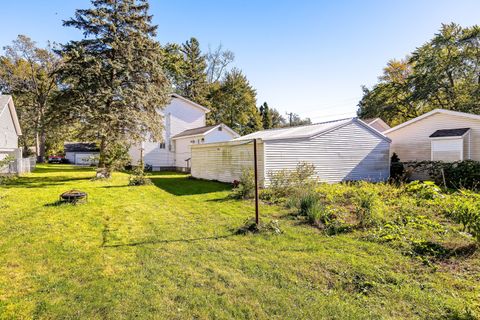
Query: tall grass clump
x=367, y=209
x=464, y=208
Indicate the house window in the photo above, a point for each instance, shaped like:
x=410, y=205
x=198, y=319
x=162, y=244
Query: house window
x=162, y=145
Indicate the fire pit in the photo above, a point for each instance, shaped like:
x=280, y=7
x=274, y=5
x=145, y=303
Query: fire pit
x=74, y=196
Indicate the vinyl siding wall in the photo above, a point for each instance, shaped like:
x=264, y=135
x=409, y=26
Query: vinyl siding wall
x=412, y=142
x=351, y=152
x=183, y=145
x=8, y=134
x=225, y=161
x=178, y=116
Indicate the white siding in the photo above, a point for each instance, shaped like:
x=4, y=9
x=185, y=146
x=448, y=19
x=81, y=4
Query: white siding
x=178, y=116
x=412, y=142
x=182, y=116
x=183, y=150
x=218, y=136
x=183, y=145
x=448, y=150
x=8, y=134
x=225, y=161
x=351, y=152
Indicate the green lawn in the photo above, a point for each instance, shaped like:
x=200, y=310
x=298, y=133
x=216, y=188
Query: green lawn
x=169, y=251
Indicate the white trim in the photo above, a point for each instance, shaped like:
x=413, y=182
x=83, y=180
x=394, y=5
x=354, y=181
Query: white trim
x=13, y=115
x=425, y=115
x=469, y=144
x=206, y=110
x=342, y=123
x=224, y=126
x=372, y=129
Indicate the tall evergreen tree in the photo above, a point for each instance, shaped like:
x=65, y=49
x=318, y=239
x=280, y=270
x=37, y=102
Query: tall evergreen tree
x=234, y=103
x=266, y=116
x=115, y=83
x=193, y=76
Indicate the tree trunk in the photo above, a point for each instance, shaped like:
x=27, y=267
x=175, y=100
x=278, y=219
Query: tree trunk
x=103, y=171
x=41, y=146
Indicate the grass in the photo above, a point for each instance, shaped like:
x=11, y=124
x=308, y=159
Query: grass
x=169, y=251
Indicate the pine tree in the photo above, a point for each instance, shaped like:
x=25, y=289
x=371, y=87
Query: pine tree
x=266, y=116
x=114, y=79
x=234, y=103
x=193, y=77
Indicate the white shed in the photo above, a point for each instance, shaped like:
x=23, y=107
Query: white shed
x=81, y=153
x=341, y=150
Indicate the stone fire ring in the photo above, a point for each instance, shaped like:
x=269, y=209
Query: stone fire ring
x=74, y=196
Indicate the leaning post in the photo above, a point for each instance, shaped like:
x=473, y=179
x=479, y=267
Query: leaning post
x=255, y=166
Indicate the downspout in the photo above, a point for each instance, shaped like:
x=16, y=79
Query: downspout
x=470, y=144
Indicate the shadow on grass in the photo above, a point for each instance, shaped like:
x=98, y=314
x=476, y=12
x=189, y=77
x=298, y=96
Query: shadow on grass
x=41, y=182
x=140, y=243
x=185, y=186
x=65, y=168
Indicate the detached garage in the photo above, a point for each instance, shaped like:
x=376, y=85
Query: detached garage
x=81, y=153
x=341, y=150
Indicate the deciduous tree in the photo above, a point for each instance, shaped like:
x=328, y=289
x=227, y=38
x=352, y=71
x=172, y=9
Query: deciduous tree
x=29, y=73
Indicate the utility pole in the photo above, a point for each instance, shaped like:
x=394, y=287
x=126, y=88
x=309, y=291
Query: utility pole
x=290, y=117
x=256, y=180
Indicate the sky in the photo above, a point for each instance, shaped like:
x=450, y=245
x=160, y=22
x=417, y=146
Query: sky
x=306, y=57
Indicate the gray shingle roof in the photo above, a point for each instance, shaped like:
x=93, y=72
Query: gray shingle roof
x=449, y=133
x=194, y=132
x=80, y=147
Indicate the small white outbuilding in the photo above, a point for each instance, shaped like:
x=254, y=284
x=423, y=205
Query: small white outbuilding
x=341, y=150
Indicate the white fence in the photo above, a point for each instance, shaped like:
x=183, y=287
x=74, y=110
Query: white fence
x=19, y=166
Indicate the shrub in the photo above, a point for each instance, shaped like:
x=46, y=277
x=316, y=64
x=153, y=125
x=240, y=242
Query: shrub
x=397, y=170
x=246, y=185
x=285, y=182
x=457, y=175
x=138, y=178
x=424, y=190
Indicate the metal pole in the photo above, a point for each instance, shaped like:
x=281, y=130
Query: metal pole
x=256, y=179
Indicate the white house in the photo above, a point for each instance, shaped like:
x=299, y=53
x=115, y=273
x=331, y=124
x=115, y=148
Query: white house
x=340, y=150
x=438, y=135
x=185, y=125
x=9, y=129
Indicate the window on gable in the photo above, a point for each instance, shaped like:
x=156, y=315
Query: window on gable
x=162, y=145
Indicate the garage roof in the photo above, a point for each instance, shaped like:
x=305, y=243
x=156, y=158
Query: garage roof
x=81, y=147
x=306, y=131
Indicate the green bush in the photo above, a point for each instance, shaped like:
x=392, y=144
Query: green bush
x=138, y=178
x=246, y=186
x=426, y=190
x=456, y=175
x=285, y=182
